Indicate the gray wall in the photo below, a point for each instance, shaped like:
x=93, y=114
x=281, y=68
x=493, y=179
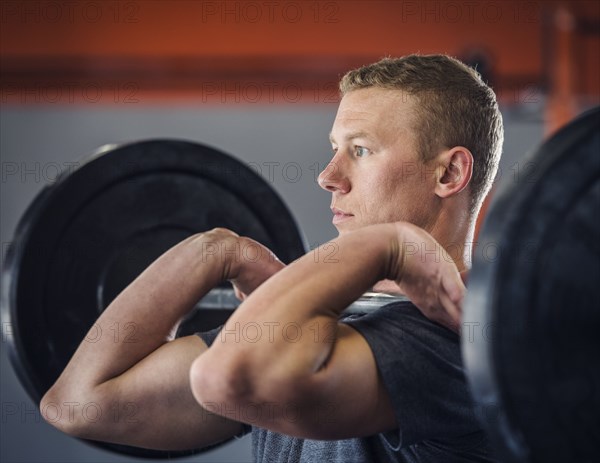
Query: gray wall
x=37, y=142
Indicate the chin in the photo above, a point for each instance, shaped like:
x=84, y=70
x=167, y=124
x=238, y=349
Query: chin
x=346, y=228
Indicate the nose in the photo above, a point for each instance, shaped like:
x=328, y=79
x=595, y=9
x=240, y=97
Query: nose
x=333, y=178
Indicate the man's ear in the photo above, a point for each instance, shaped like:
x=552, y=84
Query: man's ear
x=455, y=169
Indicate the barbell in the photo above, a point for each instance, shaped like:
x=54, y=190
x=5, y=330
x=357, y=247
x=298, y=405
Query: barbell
x=532, y=355
x=90, y=233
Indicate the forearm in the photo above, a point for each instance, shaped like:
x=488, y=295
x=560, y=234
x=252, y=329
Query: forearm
x=145, y=314
x=287, y=328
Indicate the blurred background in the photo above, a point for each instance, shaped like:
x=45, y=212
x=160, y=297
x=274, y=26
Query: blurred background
x=258, y=80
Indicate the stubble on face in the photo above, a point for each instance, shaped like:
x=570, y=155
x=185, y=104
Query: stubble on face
x=390, y=183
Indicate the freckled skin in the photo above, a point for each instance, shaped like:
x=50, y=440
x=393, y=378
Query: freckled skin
x=376, y=173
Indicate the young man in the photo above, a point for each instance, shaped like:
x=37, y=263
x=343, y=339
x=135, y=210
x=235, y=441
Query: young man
x=416, y=143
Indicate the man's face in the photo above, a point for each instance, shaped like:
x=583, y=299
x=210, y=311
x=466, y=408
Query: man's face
x=376, y=175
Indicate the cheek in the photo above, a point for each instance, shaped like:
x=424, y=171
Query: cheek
x=395, y=198
x=381, y=199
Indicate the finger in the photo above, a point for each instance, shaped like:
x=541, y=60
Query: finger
x=453, y=285
x=444, y=318
x=387, y=286
x=452, y=310
x=239, y=294
x=464, y=275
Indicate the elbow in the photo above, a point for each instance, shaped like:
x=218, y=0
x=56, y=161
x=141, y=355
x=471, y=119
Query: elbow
x=229, y=388
x=52, y=409
x=218, y=386
x=70, y=415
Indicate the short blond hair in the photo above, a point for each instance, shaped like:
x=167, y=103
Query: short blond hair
x=454, y=108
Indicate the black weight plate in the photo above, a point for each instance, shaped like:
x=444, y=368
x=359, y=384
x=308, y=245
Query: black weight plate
x=88, y=235
x=533, y=307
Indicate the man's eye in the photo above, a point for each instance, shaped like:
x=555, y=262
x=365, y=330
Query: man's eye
x=361, y=151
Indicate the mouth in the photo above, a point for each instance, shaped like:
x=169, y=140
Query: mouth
x=340, y=216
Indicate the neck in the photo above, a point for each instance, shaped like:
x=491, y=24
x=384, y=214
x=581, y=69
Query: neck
x=455, y=240
x=454, y=231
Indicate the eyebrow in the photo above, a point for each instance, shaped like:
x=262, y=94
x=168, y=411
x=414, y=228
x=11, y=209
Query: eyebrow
x=351, y=136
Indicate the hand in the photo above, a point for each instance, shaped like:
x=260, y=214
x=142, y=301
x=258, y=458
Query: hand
x=246, y=262
x=392, y=288
x=464, y=276
x=425, y=272
x=257, y=264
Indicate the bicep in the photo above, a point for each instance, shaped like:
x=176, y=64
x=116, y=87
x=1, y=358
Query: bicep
x=151, y=404
x=346, y=398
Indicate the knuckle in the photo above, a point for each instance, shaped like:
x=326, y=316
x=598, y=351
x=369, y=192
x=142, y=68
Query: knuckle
x=223, y=231
x=220, y=233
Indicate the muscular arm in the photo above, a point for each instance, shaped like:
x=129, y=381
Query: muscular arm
x=283, y=351
x=140, y=382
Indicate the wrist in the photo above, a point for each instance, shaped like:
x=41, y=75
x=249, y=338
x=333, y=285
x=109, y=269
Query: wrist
x=378, y=244
x=255, y=265
x=407, y=240
x=219, y=250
